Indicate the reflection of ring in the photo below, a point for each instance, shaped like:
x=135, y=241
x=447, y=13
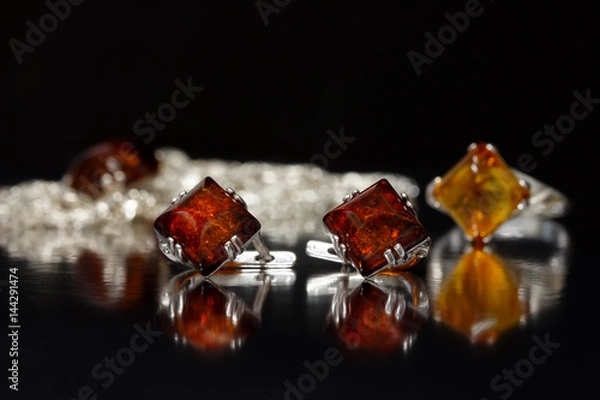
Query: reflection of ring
x=373, y=230
x=208, y=227
x=481, y=192
x=483, y=292
x=378, y=315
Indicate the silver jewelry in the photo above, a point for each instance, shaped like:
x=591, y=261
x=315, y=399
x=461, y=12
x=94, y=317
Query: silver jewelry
x=48, y=220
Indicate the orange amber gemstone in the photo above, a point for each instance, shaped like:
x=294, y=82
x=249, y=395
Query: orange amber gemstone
x=480, y=192
x=372, y=222
x=203, y=221
x=371, y=321
x=118, y=162
x=211, y=319
x=480, y=298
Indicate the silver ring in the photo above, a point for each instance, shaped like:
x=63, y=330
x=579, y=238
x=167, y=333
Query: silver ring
x=481, y=192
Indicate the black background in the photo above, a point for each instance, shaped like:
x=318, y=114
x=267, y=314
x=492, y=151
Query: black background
x=272, y=92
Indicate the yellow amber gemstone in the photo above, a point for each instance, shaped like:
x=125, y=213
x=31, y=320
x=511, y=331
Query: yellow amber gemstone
x=480, y=299
x=480, y=192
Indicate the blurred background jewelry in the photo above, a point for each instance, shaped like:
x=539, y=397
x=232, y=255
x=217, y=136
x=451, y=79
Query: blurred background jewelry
x=118, y=183
x=481, y=192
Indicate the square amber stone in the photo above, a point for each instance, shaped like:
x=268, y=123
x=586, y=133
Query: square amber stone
x=480, y=192
x=372, y=222
x=203, y=221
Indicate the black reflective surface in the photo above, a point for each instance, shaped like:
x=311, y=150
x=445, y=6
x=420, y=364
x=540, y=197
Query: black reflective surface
x=121, y=325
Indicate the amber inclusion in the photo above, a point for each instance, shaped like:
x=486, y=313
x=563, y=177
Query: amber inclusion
x=372, y=222
x=480, y=192
x=203, y=221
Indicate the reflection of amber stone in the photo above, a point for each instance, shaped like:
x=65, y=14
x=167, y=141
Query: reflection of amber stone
x=118, y=161
x=120, y=283
x=203, y=221
x=372, y=222
x=203, y=320
x=480, y=192
x=369, y=327
x=480, y=298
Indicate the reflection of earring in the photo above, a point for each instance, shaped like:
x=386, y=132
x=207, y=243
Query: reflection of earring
x=484, y=292
x=375, y=316
x=208, y=227
x=117, y=281
x=481, y=192
x=200, y=312
x=373, y=230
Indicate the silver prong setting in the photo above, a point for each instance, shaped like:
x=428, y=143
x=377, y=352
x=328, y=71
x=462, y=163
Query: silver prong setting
x=408, y=203
x=171, y=245
x=350, y=196
x=179, y=197
x=233, y=247
x=401, y=253
x=180, y=253
x=491, y=147
x=174, y=251
x=236, y=197
x=390, y=258
x=430, y=197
